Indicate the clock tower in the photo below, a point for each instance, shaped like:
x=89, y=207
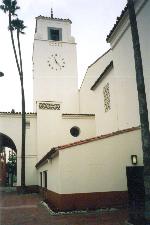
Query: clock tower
x=55, y=63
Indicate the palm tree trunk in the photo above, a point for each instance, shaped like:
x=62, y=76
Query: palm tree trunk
x=20, y=71
x=13, y=44
x=143, y=111
x=23, y=138
x=23, y=118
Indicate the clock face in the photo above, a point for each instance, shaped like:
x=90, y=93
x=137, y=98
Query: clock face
x=56, y=62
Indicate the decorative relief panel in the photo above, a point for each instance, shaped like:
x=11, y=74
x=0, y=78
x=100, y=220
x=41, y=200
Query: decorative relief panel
x=106, y=94
x=55, y=44
x=49, y=106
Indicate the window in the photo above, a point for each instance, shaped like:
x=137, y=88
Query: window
x=41, y=179
x=54, y=34
x=45, y=179
x=75, y=131
x=106, y=94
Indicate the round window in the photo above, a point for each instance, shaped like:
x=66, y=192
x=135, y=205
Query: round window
x=75, y=131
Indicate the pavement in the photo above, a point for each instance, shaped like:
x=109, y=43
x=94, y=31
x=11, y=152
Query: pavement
x=18, y=209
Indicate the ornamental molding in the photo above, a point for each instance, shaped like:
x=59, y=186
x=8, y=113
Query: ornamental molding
x=78, y=116
x=49, y=106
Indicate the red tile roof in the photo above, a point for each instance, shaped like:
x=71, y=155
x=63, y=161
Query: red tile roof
x=53, y=151
x=17, y=113
x=117, y=22
x=46, y=157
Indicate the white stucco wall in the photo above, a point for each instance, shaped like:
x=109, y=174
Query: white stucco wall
x=10, y=125
x=43, y=24
x=51, y=84
x=53, y=175
x=48, y=130
x=86, y=124
x=93, y=100
x=88, y=102
x=53, y=129
x=124, y=66
x=124, y=111
x=126, y=96
x=106, y=121
x=31, y=151
x=99, y=166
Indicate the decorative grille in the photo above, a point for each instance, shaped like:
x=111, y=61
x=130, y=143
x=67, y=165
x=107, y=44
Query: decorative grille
x=49, y=106
x=106, y=94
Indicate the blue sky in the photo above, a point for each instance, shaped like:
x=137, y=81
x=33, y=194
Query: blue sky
x=91, y=23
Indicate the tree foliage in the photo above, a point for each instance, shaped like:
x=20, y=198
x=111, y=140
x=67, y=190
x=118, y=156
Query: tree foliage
x=10, y=6
x=18, y=25
x=11, y=164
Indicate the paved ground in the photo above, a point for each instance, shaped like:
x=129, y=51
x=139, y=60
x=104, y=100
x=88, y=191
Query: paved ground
x=18, y=209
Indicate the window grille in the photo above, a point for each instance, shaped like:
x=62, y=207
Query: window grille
x=106, y=94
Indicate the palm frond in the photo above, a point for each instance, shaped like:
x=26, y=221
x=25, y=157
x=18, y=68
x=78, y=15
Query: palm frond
x=14, y=7
x=2, y=7
x=18, y=25
x=10, y=6
x=6, y=5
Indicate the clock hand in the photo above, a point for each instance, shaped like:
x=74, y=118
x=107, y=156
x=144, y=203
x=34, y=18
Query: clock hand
x=57, y=63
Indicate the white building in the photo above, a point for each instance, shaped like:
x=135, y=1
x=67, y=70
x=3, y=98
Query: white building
x=79, y=143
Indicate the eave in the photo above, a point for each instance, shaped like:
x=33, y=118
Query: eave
x=103, y=74
x=118, y=20
x=54, y=151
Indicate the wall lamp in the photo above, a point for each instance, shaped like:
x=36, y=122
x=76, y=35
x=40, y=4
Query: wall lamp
x=134, y=159
x=1, y=74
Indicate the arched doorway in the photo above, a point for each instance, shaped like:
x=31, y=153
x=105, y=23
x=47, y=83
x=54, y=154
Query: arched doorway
x=8, y=161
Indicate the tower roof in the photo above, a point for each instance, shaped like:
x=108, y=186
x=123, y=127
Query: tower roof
x=54, y=19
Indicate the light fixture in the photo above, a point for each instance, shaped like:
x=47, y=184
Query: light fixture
x=134, y=159
x=1, y=74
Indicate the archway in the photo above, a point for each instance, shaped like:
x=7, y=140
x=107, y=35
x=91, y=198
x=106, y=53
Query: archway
x=6, y=141
x=8, y=158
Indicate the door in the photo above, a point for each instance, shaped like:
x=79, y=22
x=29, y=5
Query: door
x=136, y=193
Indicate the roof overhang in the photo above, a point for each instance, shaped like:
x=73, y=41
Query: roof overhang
x=103, y=74
x=55, y=151
x=52, y=153
x=123, y=19
x=53, y=19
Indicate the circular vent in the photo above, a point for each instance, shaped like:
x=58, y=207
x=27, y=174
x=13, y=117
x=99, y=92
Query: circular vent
x=75, y=131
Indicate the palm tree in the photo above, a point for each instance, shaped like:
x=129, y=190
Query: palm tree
x=11, y=7
x=143, y=111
